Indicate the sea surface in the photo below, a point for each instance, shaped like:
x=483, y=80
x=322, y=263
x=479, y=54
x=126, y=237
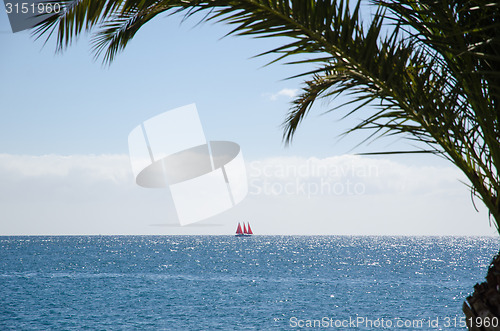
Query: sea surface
x=229, y=283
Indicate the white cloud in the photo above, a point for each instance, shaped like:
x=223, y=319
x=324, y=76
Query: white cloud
x=77, y=194
x=96, y=194
x=350, y=175
x=92, y=167
x=286, y=92
x=360, y=195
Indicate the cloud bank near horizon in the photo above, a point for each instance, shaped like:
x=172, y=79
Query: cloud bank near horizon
x=92, y=194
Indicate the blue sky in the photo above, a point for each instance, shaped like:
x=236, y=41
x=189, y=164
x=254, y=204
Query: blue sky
x=87, y=108
x=66, y=118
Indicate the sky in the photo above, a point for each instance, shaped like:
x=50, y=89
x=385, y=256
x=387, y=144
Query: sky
x=65, y=169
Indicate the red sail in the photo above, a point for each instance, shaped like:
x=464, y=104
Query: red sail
x=249, y=229
x=244, y=229
x=238, y=230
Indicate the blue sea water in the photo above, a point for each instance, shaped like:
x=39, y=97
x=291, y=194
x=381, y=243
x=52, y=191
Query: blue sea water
x=229, y=283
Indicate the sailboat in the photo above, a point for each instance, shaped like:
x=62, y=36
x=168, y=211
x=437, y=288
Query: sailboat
x=239, y=232
x=247, y=231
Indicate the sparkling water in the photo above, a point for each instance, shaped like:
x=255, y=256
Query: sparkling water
x=230, y=283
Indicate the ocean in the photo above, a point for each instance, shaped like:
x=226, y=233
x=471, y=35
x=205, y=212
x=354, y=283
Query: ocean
x=229, y=283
